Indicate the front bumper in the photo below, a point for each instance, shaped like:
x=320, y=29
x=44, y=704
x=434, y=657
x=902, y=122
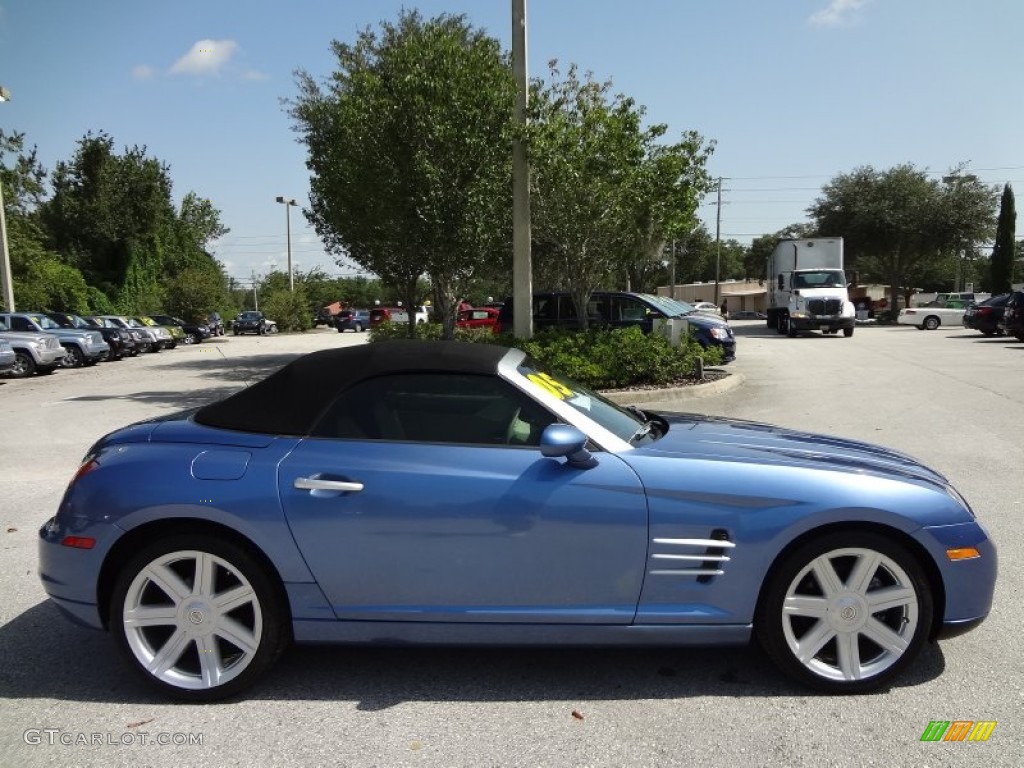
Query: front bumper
x=819, y=322
x=969, y=585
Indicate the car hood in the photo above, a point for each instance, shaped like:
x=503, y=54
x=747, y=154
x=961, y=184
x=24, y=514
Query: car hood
x=711, y=438
x=707, y=321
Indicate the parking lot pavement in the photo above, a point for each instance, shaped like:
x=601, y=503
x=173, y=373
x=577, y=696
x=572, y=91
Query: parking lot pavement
x=950, y=397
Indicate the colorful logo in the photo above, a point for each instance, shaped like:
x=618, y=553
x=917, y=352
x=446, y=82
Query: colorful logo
x=958, y=730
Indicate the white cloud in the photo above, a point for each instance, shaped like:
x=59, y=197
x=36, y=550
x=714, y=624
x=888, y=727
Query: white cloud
x=252, y=74
x=205, y=57
x=142, y=72
x=838, y=13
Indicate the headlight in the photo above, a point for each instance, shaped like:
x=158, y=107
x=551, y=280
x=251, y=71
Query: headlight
x=720, y=333
x=40, y=345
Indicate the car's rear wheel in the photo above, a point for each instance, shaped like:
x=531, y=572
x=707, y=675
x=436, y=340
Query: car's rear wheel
x=198, y=617
x=931, y=323
x=845, y=612
x=191, y=338
x=847, y=332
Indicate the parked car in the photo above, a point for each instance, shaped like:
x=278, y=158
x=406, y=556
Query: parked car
x=931, y=316
x=175, y=332
x=621, y=309
x=33, y=352
x=81, y=347
x=215, y=323
x=192, y=333
x=250, y=322
x=118, y=339
x=7, y=356
x=443, y=492
x=154, y=338
x=140, y=340
x=708, y=308
x=478, y=317
x=986, y=316
x=1013, y=316
x=357, y=320
x=380, y=315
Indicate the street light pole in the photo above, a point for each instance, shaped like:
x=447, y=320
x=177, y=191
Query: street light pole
x=522, y=268
x=6, y=279
x=718, y=242
x=288, y=203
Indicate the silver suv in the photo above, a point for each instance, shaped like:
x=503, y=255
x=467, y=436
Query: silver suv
x=33, y=352
x=81, y=347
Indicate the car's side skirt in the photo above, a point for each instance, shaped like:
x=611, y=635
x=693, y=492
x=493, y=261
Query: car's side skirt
x=424, y=633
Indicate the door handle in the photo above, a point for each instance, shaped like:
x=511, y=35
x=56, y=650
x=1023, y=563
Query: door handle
x=316, y=484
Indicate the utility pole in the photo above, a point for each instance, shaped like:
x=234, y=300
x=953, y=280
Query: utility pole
x=288, y=203
x=522, y=266
x=6, y=278
x=718, y=242
x=672, y=273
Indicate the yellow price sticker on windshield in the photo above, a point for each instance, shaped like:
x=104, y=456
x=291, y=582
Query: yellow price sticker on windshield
x=545, y=381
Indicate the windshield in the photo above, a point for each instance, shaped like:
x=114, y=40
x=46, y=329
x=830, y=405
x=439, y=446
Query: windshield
x=249, y=316
x=612, y=417
x=671, y=307
x=134, y=323
x=44, y=322
x=830, y=278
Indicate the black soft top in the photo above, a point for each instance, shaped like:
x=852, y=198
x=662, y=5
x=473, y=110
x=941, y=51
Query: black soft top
x=289, y=401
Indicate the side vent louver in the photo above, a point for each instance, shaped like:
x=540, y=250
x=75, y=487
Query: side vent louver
x=703, y=558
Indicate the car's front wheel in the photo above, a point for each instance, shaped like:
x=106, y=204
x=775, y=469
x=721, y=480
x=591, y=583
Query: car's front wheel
x=198, y=617
x=845, y=612
x=73, y=357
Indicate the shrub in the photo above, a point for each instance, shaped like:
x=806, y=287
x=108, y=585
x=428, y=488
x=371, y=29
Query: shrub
x=600, y=359
x=289, y=309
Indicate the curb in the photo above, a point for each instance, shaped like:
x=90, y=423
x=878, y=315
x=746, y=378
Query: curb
x=677, y=394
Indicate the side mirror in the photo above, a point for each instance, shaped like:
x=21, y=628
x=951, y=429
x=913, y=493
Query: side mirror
x=782, y=283
x=560, y=440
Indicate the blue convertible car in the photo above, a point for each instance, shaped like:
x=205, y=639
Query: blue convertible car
x=444, y=492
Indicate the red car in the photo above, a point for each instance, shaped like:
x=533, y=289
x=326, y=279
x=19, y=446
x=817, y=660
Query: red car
x=379, y=315
x=478, y=317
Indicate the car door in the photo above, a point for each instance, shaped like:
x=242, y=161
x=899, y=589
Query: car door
x=424, y=497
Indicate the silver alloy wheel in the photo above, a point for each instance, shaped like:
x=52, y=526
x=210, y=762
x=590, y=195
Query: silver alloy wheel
x=192, y=620
x=851, y=628
x=190, y=338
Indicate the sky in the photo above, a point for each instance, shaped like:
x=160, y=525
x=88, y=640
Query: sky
x=792, y=92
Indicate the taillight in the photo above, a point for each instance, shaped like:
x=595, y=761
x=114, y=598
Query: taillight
x=88, y=466
x=78, y=542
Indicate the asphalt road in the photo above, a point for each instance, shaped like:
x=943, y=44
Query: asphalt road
x=949, y=397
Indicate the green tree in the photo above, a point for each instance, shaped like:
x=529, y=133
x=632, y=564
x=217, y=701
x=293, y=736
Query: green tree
x=606, y=193
x=903, y=228
x=194, y=293
x=408, y=149
x=1003, y=257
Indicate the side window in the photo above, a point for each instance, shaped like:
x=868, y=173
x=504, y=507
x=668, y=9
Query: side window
x=629, y=310
x=545, y=307
x=566, y=307
x=21, y=324
x=435, y=408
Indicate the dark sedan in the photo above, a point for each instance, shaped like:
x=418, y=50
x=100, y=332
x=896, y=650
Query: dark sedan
x=986, y=316
x=194, y=332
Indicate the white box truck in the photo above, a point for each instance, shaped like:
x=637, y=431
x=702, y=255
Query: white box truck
x=807, y=287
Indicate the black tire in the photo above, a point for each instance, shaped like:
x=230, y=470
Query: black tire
x=782, y=323
x=192, y=338
x=931, y=323
x=906, y=627
x=264, y=617
x=24, y=365
x=73, y=357
x=847, y=332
